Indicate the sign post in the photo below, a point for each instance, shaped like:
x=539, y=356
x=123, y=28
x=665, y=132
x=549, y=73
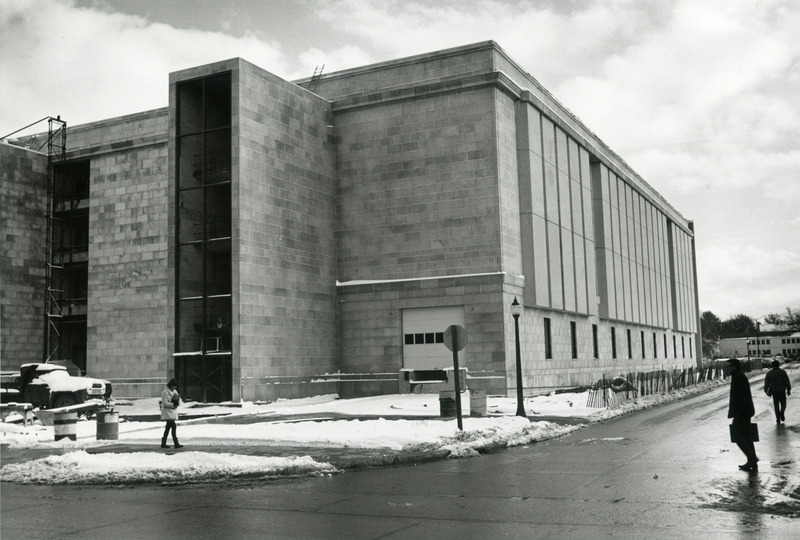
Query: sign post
x=455, y=339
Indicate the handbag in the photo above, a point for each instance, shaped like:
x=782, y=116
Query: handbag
x=753, y=432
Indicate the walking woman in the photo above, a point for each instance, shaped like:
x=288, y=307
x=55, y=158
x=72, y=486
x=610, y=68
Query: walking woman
x=170, y=399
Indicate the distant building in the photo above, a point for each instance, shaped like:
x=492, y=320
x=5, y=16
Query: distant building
x=257, y=240
x=768, y=343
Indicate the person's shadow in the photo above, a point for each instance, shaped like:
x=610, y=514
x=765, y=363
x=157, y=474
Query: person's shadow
x=749, y=503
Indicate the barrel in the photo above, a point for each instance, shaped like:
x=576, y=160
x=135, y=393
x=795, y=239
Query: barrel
x=477, y=402
x=107, y=426
x=65, y=425
x=447, y=404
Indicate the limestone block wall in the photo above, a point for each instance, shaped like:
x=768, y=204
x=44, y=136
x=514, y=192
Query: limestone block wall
x=23, y=189
x=662, y=349
x=372, y=336
x=127, y=312
x=417, y=188
x=127, y=305
x=284, y=222
x=443, y=69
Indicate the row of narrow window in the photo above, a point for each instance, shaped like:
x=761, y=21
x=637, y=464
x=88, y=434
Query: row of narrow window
x=429, y=338
x=784, y=341
x=548, y=342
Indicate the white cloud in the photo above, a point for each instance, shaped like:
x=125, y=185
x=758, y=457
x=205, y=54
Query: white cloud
x=748, y=279
x=86, y=65
x=699, y=96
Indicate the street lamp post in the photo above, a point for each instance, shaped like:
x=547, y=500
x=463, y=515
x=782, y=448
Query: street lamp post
x=516, y=311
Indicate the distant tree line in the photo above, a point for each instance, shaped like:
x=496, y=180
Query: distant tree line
x=712, y=327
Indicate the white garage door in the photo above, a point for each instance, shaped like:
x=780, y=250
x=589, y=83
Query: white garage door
x=423, y=336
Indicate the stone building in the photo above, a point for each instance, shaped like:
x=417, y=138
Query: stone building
x=261, y=238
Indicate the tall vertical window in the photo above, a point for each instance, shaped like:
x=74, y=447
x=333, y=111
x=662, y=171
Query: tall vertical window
x=573, y=335
x=68, y=268
x=655, y=346
x=630, y=345
x=674, y=346
x=683, y=347
x=613, y=342
x=594, y=341
x=690, y=348
x=641, y=336
x=203, y=210
x=666, y=354
x=548, y=343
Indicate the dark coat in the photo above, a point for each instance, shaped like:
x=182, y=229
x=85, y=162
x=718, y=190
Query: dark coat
x=740, y=406
x=777, y=382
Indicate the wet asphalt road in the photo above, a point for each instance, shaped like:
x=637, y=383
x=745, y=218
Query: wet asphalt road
x=665, y=472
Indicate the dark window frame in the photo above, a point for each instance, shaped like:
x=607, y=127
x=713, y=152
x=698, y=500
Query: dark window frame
x=573, y=334
x=548, y=340
x=613, y=342
x=215, y=296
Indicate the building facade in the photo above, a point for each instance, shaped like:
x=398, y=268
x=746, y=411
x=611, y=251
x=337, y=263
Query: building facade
x=257, y=239
x=762, y=344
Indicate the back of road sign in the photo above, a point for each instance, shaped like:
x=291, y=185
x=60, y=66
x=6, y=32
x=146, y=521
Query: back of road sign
x=460, y=335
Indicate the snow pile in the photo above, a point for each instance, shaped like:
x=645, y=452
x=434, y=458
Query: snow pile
x=152, y=467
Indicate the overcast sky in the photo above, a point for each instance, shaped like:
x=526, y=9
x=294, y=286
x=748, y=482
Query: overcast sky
x=700, y=97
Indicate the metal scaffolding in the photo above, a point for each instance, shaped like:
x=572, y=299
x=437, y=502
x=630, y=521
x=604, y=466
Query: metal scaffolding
x=54, y=278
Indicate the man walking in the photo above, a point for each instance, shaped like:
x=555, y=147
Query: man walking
x=777, y=385
x=741, y=409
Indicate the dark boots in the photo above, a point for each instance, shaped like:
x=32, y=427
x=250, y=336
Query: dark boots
x=165, y=445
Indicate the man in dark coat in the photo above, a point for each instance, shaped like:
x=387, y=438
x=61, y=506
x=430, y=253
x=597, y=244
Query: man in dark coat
x=777, y=385
x=741, y=409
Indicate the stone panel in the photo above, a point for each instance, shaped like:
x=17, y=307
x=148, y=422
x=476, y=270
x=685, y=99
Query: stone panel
x=284, y=214
x=23, y=188
x=418, y=187
x=127, y=310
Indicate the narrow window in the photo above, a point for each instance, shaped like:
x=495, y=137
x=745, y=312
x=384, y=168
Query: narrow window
x=655, y=346
x=642, y=342
x=630, y=348
x=613, y=342
x=548, y=344
x=690, y=347
x=594, y=341
x=683, y=347
x=674, y=346
x=574, y=338
x=665, y=346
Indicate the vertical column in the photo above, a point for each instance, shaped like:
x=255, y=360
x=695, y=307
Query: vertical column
x=532, y=205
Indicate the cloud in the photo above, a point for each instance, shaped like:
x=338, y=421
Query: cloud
x=698, y=96
x=86, y=65
x=748, y=279
x=334, y=59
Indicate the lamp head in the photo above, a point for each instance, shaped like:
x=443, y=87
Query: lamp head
x=516, y=308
